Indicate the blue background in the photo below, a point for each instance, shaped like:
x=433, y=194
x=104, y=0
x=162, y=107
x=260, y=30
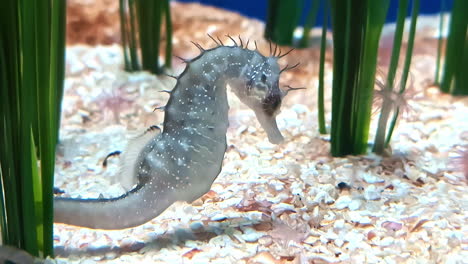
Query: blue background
x=257, y=8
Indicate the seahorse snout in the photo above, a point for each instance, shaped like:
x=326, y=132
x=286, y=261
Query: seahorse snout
x=268, y=123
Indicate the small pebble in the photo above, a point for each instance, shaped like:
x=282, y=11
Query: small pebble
x=311, y=240
x=196, y=225
x=371, y=193
x=343, y=201
x=300, y=108
x=282, y=207
x=218, y=217
x=386, y=241
x=338, y=242
x=278, y=155
x=251, y=235
x=354, y=205
x=265, y=241
x=369, y=178
x=339, y=224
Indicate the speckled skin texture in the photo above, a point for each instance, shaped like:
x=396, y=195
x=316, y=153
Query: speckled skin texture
x=181, y=162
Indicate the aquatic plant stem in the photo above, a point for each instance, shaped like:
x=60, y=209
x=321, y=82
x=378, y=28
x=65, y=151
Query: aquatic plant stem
x=168, y=21
x=455, y=79
x=387, y=104
x=141, y=23
x=356, y=33
x=133, y=46
x=123, y=33
x=323, y=50
x=51, y=105
x=439, y=42
x=282, y=19
x=340, y=72
x=12, y=232
x=27, y=106
x=32, y=45
x=309, y=23
x=374, y=23
x=406, y=66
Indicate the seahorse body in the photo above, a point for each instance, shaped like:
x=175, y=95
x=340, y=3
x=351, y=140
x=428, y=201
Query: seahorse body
x=181, y=162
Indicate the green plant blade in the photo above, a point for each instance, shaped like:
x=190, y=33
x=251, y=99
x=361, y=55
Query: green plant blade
x=310, y=20
x=321, y=95
x=140, y=25
x=439, y=43
x=50, y=104
x=455, y=78
x=168, y=22
x=123, y=33
x=133, y=36
x=387, y=105
x=356, y=32
x=9, y=126
x=282, y=19
x=32, y=67
x=406, y=66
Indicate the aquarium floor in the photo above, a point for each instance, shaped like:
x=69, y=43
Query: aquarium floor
x=271, y=203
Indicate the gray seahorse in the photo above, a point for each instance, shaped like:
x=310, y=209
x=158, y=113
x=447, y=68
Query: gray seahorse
x=181, y=162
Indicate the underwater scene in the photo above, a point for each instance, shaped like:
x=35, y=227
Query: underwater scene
x=319, y=131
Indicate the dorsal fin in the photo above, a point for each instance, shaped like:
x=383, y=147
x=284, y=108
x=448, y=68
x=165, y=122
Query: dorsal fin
x=127, y=175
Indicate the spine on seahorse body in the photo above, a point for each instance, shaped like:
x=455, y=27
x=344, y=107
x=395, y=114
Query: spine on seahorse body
x=181, y=163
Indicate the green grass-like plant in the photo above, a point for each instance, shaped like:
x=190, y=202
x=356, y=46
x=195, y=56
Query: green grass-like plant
x=405, y=71
x=141, y=26
x=309, y=23
x=357, y=25
x=281, y=21
x=321, y=82
x=439, y=43
x=392, y=99
x=32, y=70
x=283, y=18
x=455, y=77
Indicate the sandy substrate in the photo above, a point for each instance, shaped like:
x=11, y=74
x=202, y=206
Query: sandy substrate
x=270, y=204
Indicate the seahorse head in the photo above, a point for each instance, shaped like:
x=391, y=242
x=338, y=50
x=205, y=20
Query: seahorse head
x=258, y=88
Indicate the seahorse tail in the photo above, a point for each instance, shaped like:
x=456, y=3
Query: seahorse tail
x=113, y=213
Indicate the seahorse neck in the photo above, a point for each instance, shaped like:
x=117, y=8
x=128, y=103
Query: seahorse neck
x=199, y=98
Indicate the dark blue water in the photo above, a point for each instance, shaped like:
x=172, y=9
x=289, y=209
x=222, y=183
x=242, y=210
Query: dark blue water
x=257, y=8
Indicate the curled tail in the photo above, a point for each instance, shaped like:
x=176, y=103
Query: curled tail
x=134, y=208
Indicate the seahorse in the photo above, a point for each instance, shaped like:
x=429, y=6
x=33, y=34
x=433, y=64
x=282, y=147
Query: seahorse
x=181, y=162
